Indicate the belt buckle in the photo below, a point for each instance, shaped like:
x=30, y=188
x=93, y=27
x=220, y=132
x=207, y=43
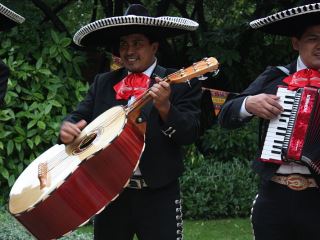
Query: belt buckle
x=297, y=182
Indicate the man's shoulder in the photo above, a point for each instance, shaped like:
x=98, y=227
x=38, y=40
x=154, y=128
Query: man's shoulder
x=280, y=69
x=273, y=72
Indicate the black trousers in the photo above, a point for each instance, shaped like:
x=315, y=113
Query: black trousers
x=280, y=213
x=151, y=214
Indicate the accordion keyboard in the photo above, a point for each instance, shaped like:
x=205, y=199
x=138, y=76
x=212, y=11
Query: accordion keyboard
x=279, y=129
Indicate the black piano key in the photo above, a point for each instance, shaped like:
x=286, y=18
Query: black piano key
x=282, y=128
x=275, y=152
x=284, y=115
x=290, y=97
x=282, y=120
x=281, y=134
x=277, y=141
x=278, y=147
x=288, y=102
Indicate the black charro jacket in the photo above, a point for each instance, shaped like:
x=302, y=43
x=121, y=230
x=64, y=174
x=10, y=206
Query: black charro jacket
x=267, y=82
x=161, y=162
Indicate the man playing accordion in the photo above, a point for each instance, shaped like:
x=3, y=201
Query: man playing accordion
x=287, y=205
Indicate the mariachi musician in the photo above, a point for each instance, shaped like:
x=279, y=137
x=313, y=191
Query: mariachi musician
x=8, y=19
x=150, y=205
x=287, y=205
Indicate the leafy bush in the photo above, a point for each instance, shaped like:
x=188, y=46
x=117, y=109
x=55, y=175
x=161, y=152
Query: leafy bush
x=218, y=189
x=43, y=86
x=222, y=183
x=227, y=145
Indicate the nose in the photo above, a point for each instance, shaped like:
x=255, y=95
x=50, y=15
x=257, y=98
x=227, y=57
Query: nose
x=130, y=49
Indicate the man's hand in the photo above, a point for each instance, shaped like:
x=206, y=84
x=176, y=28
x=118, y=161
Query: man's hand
x=69, y=131
x=160, y=92
x=264, y=105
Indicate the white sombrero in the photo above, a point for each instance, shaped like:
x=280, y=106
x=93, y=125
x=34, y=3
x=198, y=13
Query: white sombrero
x=9, y=18
x=291, y=21
x=136, y=20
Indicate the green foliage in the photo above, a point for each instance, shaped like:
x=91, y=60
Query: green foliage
x=216, y=189
x=43, y=87
x=228, y=145
x=221, y=184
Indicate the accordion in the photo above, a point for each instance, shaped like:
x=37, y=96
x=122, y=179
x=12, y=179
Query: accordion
x=294, y=136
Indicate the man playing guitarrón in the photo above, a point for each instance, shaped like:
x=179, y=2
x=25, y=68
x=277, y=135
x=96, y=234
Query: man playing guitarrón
x=150, y=205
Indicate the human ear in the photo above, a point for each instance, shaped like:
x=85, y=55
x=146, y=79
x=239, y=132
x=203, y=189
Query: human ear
x=155, y=46
x=295, y=43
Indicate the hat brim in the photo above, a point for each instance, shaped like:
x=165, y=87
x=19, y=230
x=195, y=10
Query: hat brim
x=9, y=18
x=106, y=32
x=289, y=22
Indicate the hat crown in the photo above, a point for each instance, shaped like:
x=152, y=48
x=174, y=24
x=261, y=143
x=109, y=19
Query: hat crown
x=138, y=10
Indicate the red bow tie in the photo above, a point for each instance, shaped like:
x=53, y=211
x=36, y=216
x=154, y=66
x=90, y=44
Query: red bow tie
x=134, y=84
x=303, y=78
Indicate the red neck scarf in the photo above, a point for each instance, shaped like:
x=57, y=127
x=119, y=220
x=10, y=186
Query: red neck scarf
x=134, y=84
x=303, y=78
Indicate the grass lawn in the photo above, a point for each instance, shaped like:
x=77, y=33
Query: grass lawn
x=226, y=229
x=230, y=229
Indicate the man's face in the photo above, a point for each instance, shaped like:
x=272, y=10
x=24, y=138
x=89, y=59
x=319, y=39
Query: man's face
x=309, y=47
x=136, y=52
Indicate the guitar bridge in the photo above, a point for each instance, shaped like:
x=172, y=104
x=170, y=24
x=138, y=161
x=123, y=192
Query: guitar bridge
x=43, y=175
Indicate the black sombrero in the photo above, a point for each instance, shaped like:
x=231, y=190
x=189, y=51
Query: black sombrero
x=291, y=21
x=9, y=18
x=135, y=20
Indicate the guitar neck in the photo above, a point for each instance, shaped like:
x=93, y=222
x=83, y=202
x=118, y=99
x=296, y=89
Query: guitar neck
x=142, y=100
x=183, y=75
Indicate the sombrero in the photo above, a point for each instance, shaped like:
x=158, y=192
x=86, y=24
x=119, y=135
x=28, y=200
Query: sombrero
x=9, y=18
x=136, y=19
x=291, y=21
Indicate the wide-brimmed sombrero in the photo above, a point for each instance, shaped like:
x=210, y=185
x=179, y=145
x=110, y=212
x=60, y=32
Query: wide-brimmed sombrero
x=9, y=18
x=289, y=22
x=106, y=32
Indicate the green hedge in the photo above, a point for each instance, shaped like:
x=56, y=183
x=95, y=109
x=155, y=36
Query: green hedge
x=221, y=184
x=43, y=86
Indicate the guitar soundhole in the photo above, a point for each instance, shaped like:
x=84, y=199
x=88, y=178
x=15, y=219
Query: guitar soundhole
x=86, y=142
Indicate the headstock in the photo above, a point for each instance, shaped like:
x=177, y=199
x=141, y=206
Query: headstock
x=197, y=69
